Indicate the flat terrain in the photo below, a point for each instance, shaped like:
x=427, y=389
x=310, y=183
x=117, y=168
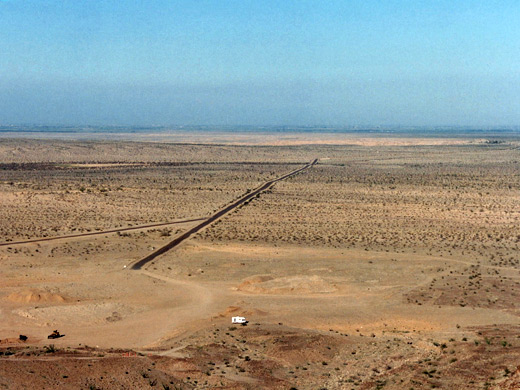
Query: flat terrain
x=393, y=263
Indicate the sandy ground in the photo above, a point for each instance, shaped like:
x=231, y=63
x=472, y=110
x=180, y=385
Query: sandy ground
x=385, y=266
x=260, y=138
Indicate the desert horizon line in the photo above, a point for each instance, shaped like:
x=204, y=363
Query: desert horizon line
x=210, y=127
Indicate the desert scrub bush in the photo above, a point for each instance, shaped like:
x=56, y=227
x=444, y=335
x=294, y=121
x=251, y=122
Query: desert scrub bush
x=165, y=233
x=50, y=348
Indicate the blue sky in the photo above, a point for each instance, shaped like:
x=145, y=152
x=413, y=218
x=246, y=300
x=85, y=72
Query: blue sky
x=158, y=62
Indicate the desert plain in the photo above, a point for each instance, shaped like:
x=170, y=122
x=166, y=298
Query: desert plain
x=391, y=263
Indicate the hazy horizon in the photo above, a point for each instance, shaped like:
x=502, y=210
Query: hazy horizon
x=361, y=63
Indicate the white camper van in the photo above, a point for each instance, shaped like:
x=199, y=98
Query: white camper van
x=239, y=320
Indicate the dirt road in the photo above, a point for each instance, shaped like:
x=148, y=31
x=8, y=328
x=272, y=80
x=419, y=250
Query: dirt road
x=172, y=244
x=137, y=227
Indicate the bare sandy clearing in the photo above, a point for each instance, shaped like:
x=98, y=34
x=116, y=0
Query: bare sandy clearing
x=288, y=285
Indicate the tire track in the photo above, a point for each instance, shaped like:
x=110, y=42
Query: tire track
x=99, y=232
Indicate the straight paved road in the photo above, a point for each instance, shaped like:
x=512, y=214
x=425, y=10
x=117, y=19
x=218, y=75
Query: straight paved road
x=172, y=244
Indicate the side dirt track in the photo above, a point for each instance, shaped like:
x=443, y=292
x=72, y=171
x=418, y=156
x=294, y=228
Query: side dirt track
x=172, y=244
x=100, y=232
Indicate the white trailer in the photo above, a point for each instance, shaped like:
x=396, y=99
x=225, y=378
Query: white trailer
x=239, y=320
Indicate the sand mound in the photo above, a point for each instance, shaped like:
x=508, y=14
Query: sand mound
x=254, y=280
x=34, y=296
x=77, y=314
x=263, y=284
x=11, y=341
x=239, y=311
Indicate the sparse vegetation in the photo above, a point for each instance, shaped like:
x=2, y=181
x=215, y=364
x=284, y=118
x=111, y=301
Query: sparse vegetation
x=391, y=246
